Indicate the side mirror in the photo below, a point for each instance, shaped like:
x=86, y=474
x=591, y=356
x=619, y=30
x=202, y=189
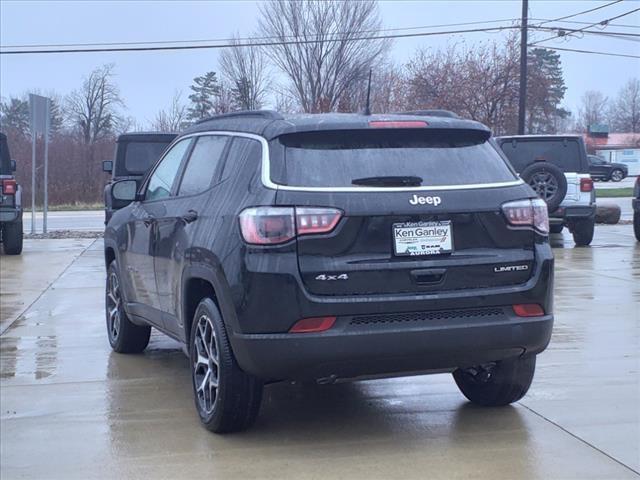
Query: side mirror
x=13, y=165
x=107, y=166
x=124, y=191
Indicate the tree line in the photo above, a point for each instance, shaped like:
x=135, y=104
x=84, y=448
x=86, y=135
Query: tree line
x=314, y=61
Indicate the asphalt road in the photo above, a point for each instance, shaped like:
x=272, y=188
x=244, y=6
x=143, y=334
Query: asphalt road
x=70, y=408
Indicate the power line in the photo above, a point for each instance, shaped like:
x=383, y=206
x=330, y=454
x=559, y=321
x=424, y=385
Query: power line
x=580, y=13
x=251, y=44
x=213, y=40
x=610, y=54
x=566, y=32
x=578, y=22
x=603, y=22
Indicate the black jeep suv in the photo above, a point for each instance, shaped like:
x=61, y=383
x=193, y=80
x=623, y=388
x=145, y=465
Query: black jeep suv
x=334, y=246
x=136, y=152
x=10, y=202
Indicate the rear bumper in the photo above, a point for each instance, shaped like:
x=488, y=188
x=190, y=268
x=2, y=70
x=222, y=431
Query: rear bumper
x=563, y=214
x=9, y=214
x=402, y=333
x=351, y=350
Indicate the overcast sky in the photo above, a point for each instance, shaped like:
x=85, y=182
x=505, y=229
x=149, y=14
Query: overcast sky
x=147, y=80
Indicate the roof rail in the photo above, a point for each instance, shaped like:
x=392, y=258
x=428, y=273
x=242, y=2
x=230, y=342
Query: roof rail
x=431, y=113
x=266, y=114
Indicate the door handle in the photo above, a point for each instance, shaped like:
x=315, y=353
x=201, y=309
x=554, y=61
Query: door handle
x=190, y=216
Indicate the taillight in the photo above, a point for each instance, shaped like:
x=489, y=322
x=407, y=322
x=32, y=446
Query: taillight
x=528, y=310
x=398, y=124
x=9, y=187
x=586, y=185
x=310, y=325
x=316, y=220
x=528, y=213
x=275, y=225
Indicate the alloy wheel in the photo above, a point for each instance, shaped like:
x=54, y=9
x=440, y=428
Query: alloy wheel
x=206, y=362
x=544, y=184
x=616, y=176
x=113, y=306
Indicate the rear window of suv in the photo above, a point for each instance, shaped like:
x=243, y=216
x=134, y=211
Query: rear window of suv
x=563, y=153
x=336, y=158
x=140, y=156
x=5, y=159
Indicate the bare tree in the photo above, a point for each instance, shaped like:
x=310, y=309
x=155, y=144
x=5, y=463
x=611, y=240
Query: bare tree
x=389, y=90
x=93, y=108
x=625, y=112
x=14, y=116
x=317, y=46
x=172, y=119
x=593, y=109
x=245, y=70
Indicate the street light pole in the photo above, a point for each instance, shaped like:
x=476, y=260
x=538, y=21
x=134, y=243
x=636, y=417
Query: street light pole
x=522, y=101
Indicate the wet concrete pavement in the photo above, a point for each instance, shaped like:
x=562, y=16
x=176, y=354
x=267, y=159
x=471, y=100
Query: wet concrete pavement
x=69, y=408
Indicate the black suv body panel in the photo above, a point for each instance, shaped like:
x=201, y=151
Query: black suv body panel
x=389, y=319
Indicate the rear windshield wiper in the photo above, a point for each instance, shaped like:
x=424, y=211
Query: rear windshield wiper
x=390, y=181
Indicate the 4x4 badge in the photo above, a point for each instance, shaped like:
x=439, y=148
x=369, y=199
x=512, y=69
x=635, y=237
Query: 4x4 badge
x=419, y=200
x=324, y=277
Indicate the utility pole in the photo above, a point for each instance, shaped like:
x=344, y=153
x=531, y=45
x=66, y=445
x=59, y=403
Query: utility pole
x=522, y=103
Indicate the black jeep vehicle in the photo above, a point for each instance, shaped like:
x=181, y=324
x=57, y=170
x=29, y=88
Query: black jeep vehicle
x=556, y=167
x=635, y=204
x=135, y=153
x=10, y=202
x=335, y=246
x=600, y=169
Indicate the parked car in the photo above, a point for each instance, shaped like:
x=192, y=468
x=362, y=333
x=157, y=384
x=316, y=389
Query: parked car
x=332, y=246
x=135, y=153
x=600, y=169
x=556, y=167
x=635, y=203
x=10, y=202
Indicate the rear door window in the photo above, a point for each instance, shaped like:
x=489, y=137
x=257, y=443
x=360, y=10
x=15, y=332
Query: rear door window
x=563, y=153
x=337, y=158
x=202, y=165
x=140, y=156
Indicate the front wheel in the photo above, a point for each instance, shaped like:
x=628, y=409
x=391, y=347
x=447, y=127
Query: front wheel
x=12, y=237
x=497, y=384
x=227, y=399
x=617, y=175
x=124, y=335
x=583, y=231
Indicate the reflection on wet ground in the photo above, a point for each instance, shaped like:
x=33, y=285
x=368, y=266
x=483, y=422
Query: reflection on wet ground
x=69, y=408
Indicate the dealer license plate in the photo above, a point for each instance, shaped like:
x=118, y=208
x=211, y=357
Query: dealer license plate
x=422, y=238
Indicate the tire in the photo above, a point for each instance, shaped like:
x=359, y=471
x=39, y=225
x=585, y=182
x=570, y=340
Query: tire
x=548, y=181
x=617, y=175
x=507, y=382
x=556, y=228
x=124, y=336
x=583, y=231
x=12, y=237
x=231, y=402
x=636, y=225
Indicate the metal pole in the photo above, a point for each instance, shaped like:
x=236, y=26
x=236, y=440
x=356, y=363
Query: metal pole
x=522, y=101
x=46, y=165
x=33, y=180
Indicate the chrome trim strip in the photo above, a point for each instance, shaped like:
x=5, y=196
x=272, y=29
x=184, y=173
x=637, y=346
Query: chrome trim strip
x=268, y=183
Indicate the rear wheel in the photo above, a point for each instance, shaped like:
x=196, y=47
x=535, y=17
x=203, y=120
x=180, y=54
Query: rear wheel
x=497, y=384
x=124, y=336
x=617, y=175
x=12, y=237
x=583, y=231
x=227, y=399
x=636, y=225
